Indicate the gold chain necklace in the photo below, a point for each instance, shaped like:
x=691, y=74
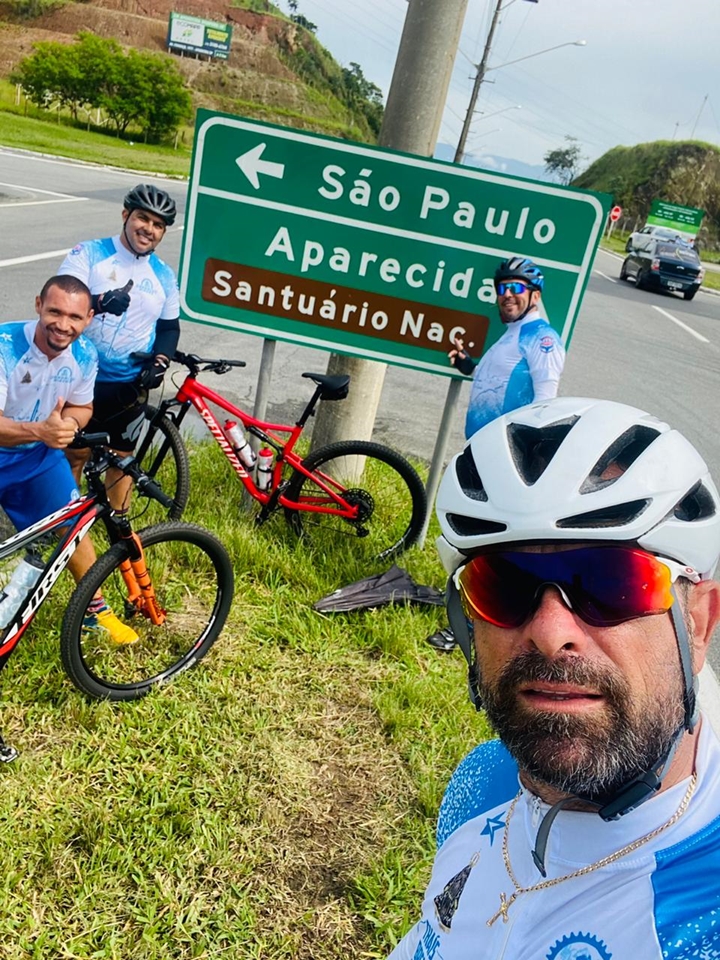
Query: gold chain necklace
x=506, y=903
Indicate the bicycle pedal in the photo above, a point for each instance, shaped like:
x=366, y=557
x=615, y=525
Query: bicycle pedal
x=7, y=753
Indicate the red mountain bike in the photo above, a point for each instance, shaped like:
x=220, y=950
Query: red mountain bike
x=358, y=488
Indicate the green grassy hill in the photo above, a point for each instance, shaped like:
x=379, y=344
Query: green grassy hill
x=277, y=70
x=685, y=172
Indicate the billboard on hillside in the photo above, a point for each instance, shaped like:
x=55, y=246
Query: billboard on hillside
x=195, y=35
x=686, y=220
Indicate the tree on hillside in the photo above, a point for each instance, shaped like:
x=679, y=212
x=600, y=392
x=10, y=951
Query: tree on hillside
x=302, y=21
x=293, y=5
x=54, y=74
x=362, y=95
x=132, y=88
x=168, y=103
x=564, y=162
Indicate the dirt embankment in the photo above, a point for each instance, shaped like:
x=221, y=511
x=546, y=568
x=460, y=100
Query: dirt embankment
x=255, y=71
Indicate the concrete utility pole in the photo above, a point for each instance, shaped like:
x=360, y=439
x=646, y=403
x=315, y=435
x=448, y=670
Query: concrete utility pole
x=411, y=123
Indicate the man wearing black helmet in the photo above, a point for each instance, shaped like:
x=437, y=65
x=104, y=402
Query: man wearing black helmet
x=580, y=538
x=135, y=298
x=524, y=365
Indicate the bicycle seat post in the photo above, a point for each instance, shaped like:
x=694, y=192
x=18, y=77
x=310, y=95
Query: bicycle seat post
x=310, y=408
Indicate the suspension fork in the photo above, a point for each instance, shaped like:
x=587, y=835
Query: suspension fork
x=141, y=593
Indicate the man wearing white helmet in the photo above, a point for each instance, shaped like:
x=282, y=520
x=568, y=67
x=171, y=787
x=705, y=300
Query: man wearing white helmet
x=580, y=537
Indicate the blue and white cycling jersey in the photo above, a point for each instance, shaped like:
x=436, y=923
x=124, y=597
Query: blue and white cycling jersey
x=106, y=265
x=31, y=384
x=527, y=355
x=660, y=902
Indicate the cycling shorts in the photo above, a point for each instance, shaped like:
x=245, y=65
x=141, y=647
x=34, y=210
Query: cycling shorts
x=118, y=410
x=34, y=484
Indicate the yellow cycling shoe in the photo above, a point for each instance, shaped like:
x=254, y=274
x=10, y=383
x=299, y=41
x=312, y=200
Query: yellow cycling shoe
x=120, y=632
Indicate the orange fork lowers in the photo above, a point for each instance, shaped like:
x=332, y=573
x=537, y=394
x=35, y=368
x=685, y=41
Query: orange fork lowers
x=141, y=593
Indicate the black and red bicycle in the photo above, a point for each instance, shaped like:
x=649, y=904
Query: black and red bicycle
x=172, y=583
x=360, y=489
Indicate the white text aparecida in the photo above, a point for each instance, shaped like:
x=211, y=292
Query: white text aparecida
x=311, y=254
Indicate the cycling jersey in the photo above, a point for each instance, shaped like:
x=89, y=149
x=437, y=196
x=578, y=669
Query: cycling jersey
x=35, y=480
x=106, y=265
x=660, y=902
x=31, y=383
x=522, y=366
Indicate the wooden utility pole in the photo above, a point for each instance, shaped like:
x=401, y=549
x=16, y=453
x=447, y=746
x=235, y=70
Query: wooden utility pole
x=411, y=123
x=479, y=77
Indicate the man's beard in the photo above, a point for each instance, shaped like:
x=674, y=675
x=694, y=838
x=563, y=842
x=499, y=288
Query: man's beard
x=588, y=756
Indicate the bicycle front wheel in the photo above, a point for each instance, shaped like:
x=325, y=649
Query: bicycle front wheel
x=163, y=456
x=192, y=577
x=386, y=489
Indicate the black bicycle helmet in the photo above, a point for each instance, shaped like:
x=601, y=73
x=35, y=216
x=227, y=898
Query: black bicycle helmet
x=520, y=268
x=145, y=196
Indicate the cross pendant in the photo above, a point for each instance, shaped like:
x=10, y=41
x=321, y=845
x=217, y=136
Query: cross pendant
x=505, y=905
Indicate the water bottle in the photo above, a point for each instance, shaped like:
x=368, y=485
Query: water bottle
x=243, y=451
x=264, y=469
x=25, y=575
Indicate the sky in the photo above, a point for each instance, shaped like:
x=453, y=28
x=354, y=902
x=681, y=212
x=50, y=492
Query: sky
x=643, y=74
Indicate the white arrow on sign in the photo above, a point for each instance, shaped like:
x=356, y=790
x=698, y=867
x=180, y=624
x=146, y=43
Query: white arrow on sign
x=251, y=165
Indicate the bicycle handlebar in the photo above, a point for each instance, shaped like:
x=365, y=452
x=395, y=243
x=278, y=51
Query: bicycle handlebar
x=148, y=488
x=91, y=441
x=102, y=458
x=193, y=362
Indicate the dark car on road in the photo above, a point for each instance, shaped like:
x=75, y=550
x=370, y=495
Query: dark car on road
x=663, y=265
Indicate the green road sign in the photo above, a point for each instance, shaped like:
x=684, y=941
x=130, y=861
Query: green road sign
x=685, y=220
x=365, y=251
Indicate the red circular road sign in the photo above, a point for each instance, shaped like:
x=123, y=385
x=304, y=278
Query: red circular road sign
x=615, y=213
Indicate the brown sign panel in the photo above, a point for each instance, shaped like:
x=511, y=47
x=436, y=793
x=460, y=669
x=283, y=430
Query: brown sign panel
x=341, y=308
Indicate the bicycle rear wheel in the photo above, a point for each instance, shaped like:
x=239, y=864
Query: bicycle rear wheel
x=162, y=454
x=387, y=490
x=193, y=580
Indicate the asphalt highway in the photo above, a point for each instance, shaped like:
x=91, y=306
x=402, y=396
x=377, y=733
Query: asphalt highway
x=653, y=350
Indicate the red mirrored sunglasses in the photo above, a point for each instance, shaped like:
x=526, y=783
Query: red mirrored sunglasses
x=604, y=585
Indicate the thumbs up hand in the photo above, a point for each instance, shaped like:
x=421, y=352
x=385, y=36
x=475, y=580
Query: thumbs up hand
x=57, y=432
x=115, y=301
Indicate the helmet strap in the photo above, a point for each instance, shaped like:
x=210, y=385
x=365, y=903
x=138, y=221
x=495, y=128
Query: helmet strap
x=690, y=699
x=129, y=242
x=462, y=631
x=526, y=311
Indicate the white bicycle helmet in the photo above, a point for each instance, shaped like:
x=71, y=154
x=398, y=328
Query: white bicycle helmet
x=577, y=469
x=580, y=470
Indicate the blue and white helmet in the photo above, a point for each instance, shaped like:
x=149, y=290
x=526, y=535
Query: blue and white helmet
x=520, y=268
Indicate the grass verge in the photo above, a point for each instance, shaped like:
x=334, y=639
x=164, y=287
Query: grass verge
x=277, y=801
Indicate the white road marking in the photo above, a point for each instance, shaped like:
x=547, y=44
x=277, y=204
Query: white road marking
x=50, y=193
x=57, y=197
x=611, y=279
x=35, y=256
x=36, y=203
x=690, y=330
x=82, y=165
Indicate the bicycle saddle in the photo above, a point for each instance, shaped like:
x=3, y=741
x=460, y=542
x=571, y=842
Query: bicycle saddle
x=334, y=387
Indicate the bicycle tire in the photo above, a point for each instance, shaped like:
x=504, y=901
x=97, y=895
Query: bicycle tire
x=389, y=491
x=171, y=472
x=193, y=580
